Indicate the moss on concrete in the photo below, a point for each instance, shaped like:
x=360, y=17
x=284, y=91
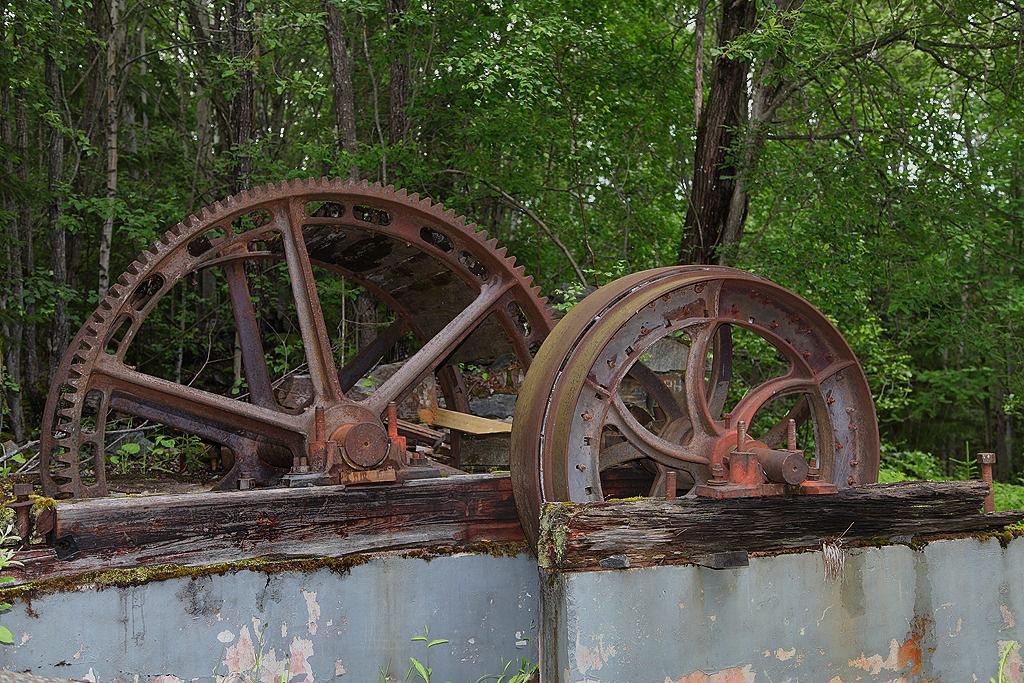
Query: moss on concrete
x=136, y=576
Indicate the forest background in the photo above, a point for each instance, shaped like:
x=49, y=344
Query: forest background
x=866, y=154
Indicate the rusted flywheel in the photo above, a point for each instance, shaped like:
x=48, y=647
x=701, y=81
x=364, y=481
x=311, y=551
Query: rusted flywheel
x=453, y=294
x=578, y=423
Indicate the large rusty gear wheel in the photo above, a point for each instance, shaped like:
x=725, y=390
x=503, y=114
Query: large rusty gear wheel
x=573, y=426
x=448, y=285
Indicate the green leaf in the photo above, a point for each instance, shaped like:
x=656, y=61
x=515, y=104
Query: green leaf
x=440, y=641
x=130, y=448
x=6, y=637
x=424, y=673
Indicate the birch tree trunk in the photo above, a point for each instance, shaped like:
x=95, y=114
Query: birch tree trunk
x=114, y=39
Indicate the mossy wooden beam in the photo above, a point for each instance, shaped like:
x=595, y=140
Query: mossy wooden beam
x=646, y=532
x=329, y=521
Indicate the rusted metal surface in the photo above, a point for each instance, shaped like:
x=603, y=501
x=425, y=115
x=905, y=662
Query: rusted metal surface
x=446, y=283
x=22, y=507
x=573, y=423
x=987, y=461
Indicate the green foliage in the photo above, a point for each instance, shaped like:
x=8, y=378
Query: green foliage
x=885, y=188
x=422, y=672
x=1001, y=676
x=7, y=538
x=899, y=466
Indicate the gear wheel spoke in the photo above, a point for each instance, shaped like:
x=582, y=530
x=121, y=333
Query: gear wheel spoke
x=448, y=295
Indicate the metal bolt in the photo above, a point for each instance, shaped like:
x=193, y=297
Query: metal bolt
x=22, y=510
x=392, y=420
x=791, y=435
x=319, y=424
x=987, y=460
x=670, y=485
x=741, y=434
x=728, y=420
x=581, y=467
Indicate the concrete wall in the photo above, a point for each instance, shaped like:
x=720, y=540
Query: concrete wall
x=317, y=626
x=943, y=613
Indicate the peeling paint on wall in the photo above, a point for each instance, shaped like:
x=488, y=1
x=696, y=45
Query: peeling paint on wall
x=1008, y=619
x=734, y=674
x=241, y=656
x=313, y=609
x=900, y=657
x=592, y=658
x=1013, y=669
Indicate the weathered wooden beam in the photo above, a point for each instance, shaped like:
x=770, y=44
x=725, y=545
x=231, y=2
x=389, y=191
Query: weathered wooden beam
x=463, y=422
x=327, y=521
x=655, y=531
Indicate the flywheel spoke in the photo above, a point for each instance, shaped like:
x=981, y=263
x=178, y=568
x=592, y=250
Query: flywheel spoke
x=721, y=372
x=432, y=354
x=776, y=436
x=322, y=372
x=619, y=453
x=254, y=360
x=193, y=406
x=697, y=406
x=652, y=445
x=657, y=390
x=370, y=355
x=757, y=397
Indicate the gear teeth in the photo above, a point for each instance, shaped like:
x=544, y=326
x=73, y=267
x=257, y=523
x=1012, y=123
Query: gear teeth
x=65, y=480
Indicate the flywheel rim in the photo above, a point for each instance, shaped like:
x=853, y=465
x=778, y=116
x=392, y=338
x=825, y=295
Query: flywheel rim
x=558, y=437
x=418, y=230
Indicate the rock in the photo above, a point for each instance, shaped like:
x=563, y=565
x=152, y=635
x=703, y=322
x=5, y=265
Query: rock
x=115, y=443
x=667, y=355
x=498, y=406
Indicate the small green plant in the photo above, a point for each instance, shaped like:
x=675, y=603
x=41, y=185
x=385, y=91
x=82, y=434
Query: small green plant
x=1002, y=663
x=7, y=538
x=121, y=460
x=524, y=674
x=421, y=670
